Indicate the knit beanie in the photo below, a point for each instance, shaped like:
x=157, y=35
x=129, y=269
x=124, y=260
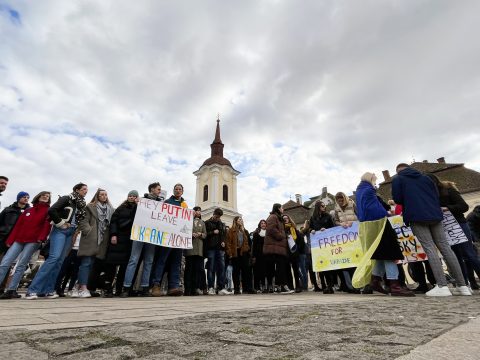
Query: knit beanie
x=21, y=194
x=133, y=193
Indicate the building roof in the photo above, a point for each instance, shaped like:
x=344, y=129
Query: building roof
x=216, y=156
x=467, y=180
x=297, y=212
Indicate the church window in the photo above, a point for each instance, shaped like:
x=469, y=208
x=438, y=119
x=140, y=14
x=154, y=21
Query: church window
x=205, y=193
x=225, y=193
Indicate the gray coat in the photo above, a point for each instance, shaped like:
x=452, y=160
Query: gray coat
x=89, y=239
x=198, y=227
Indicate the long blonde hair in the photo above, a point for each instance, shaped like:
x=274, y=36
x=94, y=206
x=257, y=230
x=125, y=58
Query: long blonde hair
x=369, y=177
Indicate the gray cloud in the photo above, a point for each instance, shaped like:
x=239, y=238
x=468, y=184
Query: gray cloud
x=119, y=94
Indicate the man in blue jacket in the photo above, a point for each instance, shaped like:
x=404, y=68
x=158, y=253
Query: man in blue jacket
x=419, y=197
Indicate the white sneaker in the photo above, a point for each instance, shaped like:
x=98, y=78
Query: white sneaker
x=439, y=291
x=52, y=295
x=225, y=292
x=31, y=296
x=84, y=294
x=211, y=291
x=73, y=293
x=198, y=292
x=462, y=290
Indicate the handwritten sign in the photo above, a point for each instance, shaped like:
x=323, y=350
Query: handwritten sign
x=163, y=224
x=411, y=248
x=453, y=230
x=336, y=248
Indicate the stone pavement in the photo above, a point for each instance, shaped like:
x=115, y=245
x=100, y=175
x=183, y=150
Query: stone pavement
x=301, y=326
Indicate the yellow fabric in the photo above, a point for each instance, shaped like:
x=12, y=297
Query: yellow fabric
x=292, y=231
x=369, y=233
x=184, y=205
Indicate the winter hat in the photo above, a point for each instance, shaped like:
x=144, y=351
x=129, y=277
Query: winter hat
x=133, y=193
x=21, y=194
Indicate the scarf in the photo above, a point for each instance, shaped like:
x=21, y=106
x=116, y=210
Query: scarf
x=262, y=232
x=104, y=212
x=290, y=228
x=80, y=205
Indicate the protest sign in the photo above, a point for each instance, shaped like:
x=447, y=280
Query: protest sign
x=336, y=248
x=453, y=230
x=163, y=224
x=409, y=245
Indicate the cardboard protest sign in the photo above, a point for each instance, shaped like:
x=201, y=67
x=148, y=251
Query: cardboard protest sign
x=163, y=224
x=411, y=248
x=336, y=248
x=453, y=230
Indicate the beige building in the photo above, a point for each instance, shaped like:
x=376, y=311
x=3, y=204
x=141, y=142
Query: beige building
x=217, y=183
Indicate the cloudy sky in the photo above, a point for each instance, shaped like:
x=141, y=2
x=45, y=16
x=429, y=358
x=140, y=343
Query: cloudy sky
x=118, y=94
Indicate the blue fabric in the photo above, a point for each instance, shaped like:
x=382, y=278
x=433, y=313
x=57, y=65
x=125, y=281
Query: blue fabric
x=149, y=252
x=175, y=260
x=418, y=195
x=368, y=206
x=45, y=279
x=216, y=266
x=385, y=266
x=22, y=251
x=84, y=269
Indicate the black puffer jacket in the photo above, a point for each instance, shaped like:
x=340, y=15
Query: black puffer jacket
x=121, y=226
x=8, y=218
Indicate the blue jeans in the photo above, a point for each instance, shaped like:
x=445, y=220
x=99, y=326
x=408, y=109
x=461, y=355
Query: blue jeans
x=216, y=265
x=385, y=266
x=25, y=250
x=149, y=252
x=229, y=277
x=84, y=269
x=175, y=263
x=60, y=243
x=302, y=260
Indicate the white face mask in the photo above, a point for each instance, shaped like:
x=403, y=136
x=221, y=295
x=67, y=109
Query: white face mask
x=262, y=233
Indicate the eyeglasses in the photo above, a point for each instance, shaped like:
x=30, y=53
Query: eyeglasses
x=322, y=205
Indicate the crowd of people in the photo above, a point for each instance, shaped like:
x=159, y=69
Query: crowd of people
x=88, y=252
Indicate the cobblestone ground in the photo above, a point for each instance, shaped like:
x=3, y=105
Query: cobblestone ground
x=375, y=329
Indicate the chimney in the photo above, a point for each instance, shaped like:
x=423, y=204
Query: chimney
x=298, y=198
x=441, y=160
x=324, y=191
x=386, y=175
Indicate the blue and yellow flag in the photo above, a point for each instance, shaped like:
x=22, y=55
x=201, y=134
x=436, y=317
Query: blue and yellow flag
x=370, y=233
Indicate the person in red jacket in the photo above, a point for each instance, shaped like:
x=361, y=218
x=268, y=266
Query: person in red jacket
x=31, y=229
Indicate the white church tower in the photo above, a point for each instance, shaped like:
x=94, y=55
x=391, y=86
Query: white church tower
x=217, y=183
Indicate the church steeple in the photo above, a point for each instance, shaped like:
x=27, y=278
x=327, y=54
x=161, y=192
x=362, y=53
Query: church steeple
x=217, y=145
x=217, y=182
x=216, y=156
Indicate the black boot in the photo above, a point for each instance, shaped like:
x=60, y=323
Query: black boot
x=125, y=292
x=9, y=294
x=145, y=292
